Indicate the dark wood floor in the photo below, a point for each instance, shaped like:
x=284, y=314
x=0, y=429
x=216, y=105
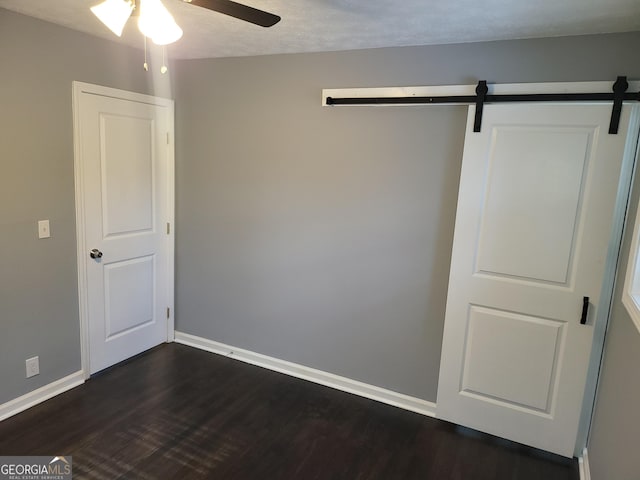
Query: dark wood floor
x=179, y=413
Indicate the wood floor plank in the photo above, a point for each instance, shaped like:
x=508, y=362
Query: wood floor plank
x=180, y=413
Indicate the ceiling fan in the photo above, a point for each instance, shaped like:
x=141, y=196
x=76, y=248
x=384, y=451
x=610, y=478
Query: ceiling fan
x=157, y=23
x=238, y=10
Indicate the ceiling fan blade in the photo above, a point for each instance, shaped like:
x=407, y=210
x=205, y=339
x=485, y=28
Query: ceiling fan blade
x=237, y=10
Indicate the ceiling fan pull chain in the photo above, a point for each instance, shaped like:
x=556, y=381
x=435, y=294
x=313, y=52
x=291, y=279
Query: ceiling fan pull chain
x=164, y=68
x=145, y=65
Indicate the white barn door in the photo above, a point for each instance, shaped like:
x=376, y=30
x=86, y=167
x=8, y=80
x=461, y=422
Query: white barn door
x=124, y=175
x=534, y=220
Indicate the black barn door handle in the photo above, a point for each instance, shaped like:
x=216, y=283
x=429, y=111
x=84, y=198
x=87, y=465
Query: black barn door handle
x=585, y=310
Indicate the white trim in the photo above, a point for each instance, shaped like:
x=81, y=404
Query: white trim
x=46, y=392
x=631, y=290
x=629, y=301
x=494, y=89
x=78, y=88
x=92, y=89
x=583, y=466
x=81, y=246
x=171, y=218
x=344, y=384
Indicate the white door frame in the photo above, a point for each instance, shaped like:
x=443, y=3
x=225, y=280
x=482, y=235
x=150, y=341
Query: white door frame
x=80, y=88
x=627, y=171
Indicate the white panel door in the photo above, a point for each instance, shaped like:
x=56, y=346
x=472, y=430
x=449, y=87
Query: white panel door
x=534, y=220
x=125, y=169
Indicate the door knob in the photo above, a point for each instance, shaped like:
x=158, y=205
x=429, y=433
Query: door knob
x=95, y=253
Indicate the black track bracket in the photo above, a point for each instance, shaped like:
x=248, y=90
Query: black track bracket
x=481, y=92
x=619, y=89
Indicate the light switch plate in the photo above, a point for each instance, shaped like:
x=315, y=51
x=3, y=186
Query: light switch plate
x=43, y=229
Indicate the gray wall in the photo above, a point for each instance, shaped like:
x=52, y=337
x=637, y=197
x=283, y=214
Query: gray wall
x=38, y=280
x=323, y=236
x=614, y=440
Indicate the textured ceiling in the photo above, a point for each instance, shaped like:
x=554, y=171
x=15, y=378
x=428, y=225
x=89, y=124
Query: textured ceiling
x=330, y=25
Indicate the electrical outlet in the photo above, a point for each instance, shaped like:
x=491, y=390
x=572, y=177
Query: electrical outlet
x=33, y=367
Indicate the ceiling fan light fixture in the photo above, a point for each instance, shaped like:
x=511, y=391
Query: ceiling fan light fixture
x=114, y=14
x=157, y=23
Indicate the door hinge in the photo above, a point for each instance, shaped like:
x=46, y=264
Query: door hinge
x=168, y=312
x=167, y=138
x=168, y=228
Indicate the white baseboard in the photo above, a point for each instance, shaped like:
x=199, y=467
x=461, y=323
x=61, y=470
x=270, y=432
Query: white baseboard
x=46, y=392
x=583, y=466
x=306, y=373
